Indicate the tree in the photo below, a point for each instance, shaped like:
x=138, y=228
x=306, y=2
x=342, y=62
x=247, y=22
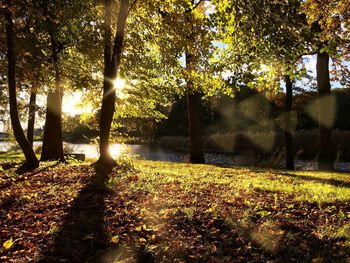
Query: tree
x=325, y=19
x=112, y=57
x=326, y=155
x=273, y=35
x=31, y=118
x=31, y=160
x=187, y=37
x=58, y=27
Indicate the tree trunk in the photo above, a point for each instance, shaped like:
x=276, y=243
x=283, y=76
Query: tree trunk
x=31, y=160
x=52, y=141
x=111, y=66
x=194, y=101
x=326, y=156
x=31, y=118
x=288, y=136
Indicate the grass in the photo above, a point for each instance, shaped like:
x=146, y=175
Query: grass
x=150, y=211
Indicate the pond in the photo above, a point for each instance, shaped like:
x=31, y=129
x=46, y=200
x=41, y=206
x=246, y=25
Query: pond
x=147, y=152
x=144, y=152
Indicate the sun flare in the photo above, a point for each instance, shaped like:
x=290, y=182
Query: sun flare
x=115, y=150
x=118, y=84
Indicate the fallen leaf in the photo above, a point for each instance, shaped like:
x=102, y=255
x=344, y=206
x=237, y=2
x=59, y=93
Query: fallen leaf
x=115, y=239
x=8, y=244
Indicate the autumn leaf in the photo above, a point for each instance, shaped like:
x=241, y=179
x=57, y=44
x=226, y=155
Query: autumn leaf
x=142, y=240
x=8, y=244
x=115, y=239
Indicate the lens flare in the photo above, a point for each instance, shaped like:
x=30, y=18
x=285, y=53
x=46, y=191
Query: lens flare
x=118, y=84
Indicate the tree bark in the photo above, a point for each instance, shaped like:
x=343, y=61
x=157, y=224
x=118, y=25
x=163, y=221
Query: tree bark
x=52, y=141
x=326, y=156
x=288, y=136
x=194, y=101
x=31, y=160
x=31, y=118
x=111, y=66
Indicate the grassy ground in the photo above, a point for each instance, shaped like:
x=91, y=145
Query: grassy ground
x=172, y=212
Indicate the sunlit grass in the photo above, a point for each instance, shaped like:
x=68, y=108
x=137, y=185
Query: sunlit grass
x=306, y=186
x=164, y=207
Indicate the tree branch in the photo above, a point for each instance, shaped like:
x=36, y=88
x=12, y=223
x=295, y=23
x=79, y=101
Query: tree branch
x=3, y=51
x=131, y=6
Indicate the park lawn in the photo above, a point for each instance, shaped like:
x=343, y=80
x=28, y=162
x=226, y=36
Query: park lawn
x=149, y=211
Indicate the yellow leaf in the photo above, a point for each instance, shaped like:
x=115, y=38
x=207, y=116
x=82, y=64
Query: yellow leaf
x=153, y=237
x=115, y=239
x=213, y=249
x=138, y=228
x=8, y=244
x=142, y=240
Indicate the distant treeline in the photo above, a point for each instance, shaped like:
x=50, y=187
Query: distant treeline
x=250, y=111
x=269, y=143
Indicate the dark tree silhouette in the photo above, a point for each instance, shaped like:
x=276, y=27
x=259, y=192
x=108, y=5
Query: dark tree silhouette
x=31, y=160
x=112, y=57
x=31, y=118
x=326, y=156
x=288, y=136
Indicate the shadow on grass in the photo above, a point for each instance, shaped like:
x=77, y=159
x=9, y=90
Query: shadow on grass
x=82, y=237
x=222, y=240
x=23, y=176
x=333, y=182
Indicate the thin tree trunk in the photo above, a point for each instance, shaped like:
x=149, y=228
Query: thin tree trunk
x=288, y=136
x=326, y=156
x=31, y=118
x=31, y=160
x=111, y=66
x=194, y=101
x=52, y=141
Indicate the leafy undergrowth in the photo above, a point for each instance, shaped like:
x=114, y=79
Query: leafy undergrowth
x=170, y=212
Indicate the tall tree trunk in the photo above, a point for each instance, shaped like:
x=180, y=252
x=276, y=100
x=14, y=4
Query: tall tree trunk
x=111, y=66
x=288, y=136
x=52, y=141
x=326, y=156
x=31, y=160
x=194, y=101
x=31, y=118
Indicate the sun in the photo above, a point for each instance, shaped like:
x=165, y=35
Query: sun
x=118, y=84
x=71, y=103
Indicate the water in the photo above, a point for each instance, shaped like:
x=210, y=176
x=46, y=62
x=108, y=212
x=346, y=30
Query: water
x=146, y=152
x=143, y=152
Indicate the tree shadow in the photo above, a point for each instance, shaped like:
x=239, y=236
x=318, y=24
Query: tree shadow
x=23, y=176
x=82, y=237
x=237, y=242
x=333, y=182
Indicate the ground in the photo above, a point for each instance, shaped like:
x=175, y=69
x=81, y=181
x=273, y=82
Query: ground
x=145, y=211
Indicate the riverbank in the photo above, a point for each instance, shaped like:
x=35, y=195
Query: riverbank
x=173, y=212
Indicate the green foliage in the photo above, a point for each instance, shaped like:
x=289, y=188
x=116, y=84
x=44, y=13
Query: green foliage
x=125, y=161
